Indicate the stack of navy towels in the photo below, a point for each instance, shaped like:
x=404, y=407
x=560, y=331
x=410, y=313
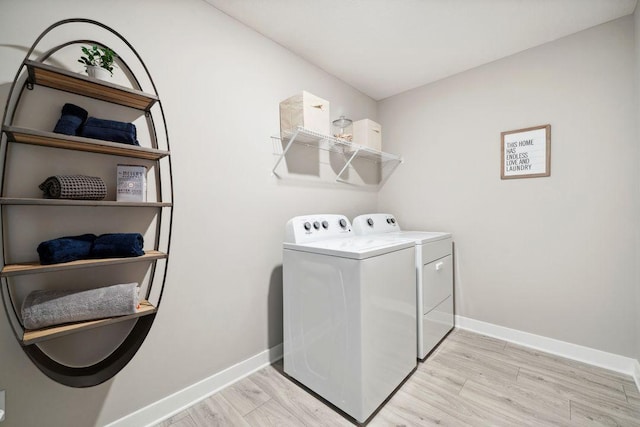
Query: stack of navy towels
x=89, y=246
x=76, y=121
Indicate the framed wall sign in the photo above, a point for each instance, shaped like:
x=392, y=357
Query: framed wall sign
x=526, y=153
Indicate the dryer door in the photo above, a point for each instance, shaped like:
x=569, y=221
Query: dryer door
x=437, y=282
x=437, y=303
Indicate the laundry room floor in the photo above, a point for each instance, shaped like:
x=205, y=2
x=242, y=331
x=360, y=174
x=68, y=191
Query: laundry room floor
x=470, y=379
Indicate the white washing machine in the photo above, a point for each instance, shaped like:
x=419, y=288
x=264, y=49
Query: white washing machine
x=349, y=312
x=434, y=275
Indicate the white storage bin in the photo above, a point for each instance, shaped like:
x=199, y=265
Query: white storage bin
x=306, y=110
x=368, y=133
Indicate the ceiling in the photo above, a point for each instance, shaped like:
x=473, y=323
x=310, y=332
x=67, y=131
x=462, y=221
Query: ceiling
x=384, y=47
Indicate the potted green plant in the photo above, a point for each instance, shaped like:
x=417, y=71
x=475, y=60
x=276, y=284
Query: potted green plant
x=98, y=61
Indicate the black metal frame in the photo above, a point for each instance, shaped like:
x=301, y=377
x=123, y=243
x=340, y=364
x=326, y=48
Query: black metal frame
x=108, y=367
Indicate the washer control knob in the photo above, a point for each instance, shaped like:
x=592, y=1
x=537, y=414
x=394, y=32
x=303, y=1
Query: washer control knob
x=393, y=220
x=388, y=220
x=370, y=222
x=325, y=224
x=342, y=223
x=316, y=225
x=307, y=226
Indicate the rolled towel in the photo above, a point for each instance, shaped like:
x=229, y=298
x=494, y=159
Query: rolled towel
x=65, y=249
x=109, y=130
x=77, y=187
x=118, y=245
x=46, y=308
x=71, y=119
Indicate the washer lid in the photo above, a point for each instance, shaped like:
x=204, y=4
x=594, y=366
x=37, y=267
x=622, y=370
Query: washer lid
x=359, y=247
x=421, y=237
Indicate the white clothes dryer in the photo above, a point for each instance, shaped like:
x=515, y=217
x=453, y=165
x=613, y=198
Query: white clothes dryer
x=348, y=312
x=434, y=276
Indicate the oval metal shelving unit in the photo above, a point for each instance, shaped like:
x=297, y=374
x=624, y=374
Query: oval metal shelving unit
x=34, y=72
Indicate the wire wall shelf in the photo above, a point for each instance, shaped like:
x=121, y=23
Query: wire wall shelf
x=349, y=150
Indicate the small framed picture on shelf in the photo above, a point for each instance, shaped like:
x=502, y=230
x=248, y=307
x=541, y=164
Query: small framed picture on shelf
x=131, y=183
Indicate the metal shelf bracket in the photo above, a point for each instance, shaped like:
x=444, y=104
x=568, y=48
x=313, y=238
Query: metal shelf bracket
x=284, y=152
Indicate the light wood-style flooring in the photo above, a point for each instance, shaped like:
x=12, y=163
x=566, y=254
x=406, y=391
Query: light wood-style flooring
x=469, y=380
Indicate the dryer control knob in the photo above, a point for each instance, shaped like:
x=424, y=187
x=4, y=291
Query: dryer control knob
x=316, y=225
x=342, y=223
x=370, y=222
x=325, y=224
x=388, y=220
x=393, y=220
x=307, y=226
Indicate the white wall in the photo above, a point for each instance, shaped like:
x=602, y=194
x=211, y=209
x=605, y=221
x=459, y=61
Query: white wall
x=220, y=84
x=553, y=256
x=636, y=17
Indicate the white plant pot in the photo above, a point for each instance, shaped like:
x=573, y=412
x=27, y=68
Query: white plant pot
x=98, y=72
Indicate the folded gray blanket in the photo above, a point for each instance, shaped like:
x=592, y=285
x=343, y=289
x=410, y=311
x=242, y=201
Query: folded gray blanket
x=78, y=187
x=47, y=308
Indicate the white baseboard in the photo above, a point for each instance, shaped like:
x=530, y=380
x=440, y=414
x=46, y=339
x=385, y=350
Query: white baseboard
x=613, y=362
x=180, y=400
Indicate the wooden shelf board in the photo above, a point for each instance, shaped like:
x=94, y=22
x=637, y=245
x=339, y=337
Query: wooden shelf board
x=56, y=140
x=56, y=78
x=38, y=335
x=36, y=267
x=67, y=202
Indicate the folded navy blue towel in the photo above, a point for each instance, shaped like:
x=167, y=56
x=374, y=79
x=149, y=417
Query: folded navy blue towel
x=65, y=249
x=117, y=245
x=109, y=130
x=71, y=119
